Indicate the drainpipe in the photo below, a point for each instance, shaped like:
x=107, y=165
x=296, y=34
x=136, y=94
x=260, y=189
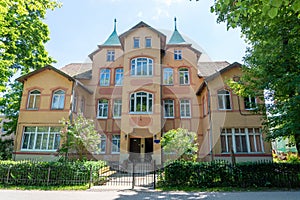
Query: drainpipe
x=210, y=123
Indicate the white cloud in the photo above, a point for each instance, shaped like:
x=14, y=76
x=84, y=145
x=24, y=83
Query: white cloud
x=159, y=12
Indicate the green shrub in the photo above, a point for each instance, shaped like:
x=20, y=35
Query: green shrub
x=48, y=173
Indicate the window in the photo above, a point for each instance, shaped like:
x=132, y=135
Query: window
x=177, y=55
x=119, y=76
x=58, y=99
x=74, y=104
x=205, y=112
x=102, y=145
x=148, y=42
x=115, y=144
x=250, y=103
x=184, y=76
x=110, y=56
x=117, y=110
x=41, y=138
x=82, y=105
x=185, y=108
x=141, y=102
x=168, y=76
x=102, y=108
x=34, y=100
x=224, y=100
x=104, y=77
x=241, y=140
x=136, y=42
x=169, y=108
x=141, y=67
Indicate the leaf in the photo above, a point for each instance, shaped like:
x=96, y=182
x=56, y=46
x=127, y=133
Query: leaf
x=296, y=6
x=276, y=3
x=273, y=12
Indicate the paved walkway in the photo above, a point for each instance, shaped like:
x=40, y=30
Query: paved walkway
x=143, y=195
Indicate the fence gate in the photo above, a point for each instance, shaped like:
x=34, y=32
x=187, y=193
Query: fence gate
x=132, y=174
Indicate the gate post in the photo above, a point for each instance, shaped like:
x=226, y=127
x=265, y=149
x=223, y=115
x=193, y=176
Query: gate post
x=154, y=174
x=133, y=178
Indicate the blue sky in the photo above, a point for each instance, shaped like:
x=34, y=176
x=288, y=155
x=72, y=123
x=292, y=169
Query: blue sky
x=80, y=25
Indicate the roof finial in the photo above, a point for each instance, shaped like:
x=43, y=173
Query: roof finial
x=115, y=24
x=175, y=23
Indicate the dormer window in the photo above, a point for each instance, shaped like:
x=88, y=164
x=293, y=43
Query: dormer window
x=110, y=56
x=136, y=42
x=148, y=42
x=177, y=54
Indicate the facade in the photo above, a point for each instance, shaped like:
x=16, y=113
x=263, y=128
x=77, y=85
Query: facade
x=139, y=85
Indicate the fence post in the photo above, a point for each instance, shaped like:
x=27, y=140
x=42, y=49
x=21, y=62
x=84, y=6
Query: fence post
x=133, y=178
x=91, y=178
x=48, y=177
x=8, y=175
x=154, y=174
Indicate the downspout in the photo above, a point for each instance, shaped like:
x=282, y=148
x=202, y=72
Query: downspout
x=210, y=123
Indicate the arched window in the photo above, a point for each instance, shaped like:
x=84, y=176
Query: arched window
x=34, y=100
x=184, y=76
x=58, y=100
x=168, y=76
x=224, y=100
x=141, y=67
x=104, y=77
x=119, y=76
x=141, y=102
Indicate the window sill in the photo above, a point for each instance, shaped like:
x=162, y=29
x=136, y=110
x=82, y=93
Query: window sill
x=140, y=113
x=38, y=150
x=144, y=76
x=102, y=117
x=169, y=117
x=117, y=117
x=32, y=109
x=115, y=153
x=185, y=117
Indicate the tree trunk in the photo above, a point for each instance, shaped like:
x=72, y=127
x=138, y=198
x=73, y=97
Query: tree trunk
x=297, y=141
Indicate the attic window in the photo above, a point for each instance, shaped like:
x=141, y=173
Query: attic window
x=136, y=42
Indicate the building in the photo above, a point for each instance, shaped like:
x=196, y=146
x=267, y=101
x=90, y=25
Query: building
x=139, y=85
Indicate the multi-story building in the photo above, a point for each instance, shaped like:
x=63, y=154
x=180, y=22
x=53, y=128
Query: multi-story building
x=139, y=85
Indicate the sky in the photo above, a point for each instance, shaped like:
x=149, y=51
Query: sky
x=80, y=25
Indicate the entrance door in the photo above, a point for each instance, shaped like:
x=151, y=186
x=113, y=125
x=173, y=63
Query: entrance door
x=135, y=149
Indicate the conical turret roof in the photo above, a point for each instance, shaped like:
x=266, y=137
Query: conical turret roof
x=113, y=39
x=176, y=37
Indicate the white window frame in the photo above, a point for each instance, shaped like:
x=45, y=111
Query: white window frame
x=223, y=99
x=104, y=77
x=119, y=76
x=102, y=112
x=34, y=94
x=102, y=142
x=169, y=104
x=136, y=42
x=185, y=108
x=148, y=42
x=60, y=95
x=34, y=138
x=115, y=144
x=250, y=103
x=74, y=104
x=117, y=108
x=82, y=105
x=141, y=66
x=184, y=76
x=110, y=55
x=177, y=54
x=234, y=133
x=135, y=97
x=168, y=78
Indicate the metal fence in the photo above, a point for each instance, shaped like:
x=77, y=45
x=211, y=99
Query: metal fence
x=131, y=174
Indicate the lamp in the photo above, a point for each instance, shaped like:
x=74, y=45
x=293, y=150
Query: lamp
x=155, y=136
x=126, y=136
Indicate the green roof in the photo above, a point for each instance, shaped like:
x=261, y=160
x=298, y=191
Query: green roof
x=176, y=37
x=113, y=39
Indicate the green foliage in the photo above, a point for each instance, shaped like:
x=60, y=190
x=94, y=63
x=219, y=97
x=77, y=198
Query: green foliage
x=79, y=137
x=6, y=147
x=48, y=173
x=181, y=143
x=22, y=48
x=223, y=174
x=272, y=61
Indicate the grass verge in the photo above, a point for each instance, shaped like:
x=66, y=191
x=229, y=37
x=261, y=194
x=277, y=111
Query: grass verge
x=23, y=187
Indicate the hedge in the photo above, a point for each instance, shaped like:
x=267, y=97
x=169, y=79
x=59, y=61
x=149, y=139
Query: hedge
x=49, y=173
x=224, y=174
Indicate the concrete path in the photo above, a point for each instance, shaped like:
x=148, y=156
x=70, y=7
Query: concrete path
x=143, y=195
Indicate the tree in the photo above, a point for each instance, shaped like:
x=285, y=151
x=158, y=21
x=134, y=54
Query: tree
x=180, y=142
x=272, y=60
x=79, y=137
x=23, y=36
